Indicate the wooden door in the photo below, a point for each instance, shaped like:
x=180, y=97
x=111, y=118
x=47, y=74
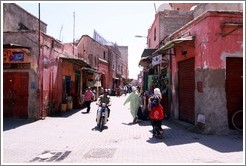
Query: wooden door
x=15, y=94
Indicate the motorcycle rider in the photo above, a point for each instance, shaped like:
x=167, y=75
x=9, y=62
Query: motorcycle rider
x=104, y=98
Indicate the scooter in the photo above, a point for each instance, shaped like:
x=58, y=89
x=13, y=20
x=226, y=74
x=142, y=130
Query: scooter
x=102, y=115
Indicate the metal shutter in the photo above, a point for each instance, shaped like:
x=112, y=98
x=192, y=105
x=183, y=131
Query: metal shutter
x=186, y=88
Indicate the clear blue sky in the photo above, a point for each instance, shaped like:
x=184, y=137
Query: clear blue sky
x=115, y=21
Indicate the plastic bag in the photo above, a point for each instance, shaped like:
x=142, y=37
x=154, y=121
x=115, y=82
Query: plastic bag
x=156, y=113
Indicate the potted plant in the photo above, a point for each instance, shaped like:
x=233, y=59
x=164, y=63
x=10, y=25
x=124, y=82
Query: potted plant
x=69, y=102
x=63, y=106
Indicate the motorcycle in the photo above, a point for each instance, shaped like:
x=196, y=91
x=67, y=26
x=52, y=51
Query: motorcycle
x=102, y=115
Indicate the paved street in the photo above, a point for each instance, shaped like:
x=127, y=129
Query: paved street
x=73, y=138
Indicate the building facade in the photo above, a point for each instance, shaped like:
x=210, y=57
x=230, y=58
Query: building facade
x=197, y=56
x=45, y=73
x=154, y=65
x=206, y=51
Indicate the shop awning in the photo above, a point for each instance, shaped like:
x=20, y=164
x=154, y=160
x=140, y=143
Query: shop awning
x=147, y=52
x=171, y=43
x=90, y=70
x=11, y=45
x=145, y=58
x=144, y=62
x=76, y=61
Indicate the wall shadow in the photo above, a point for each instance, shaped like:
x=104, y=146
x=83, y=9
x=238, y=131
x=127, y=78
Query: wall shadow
x=65, y=114
x=13, y=123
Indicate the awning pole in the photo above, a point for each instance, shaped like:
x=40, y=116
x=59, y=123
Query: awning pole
x=97, y=93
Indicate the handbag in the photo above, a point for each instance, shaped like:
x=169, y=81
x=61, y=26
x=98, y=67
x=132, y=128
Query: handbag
x=156, y=113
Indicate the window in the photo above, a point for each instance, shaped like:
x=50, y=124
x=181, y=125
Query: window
x=90, y=59
x=155, y=34
x=104, y=55
x=113, y=65
x=95, y=61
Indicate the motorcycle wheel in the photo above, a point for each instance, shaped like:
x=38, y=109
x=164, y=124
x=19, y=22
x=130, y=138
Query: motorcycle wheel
x=101, y=123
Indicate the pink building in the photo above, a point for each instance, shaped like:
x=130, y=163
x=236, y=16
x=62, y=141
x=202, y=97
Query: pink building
x=165, y=23
x=206, y=67
x=39, y=74
x=96, y=55
x=107, y=61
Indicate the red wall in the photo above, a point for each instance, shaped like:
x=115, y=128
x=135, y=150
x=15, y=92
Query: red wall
x=211, y=47
x=103, y=68
x=52, y=76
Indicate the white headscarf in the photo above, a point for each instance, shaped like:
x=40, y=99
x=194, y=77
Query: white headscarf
x=157, y=92
x=134, y=88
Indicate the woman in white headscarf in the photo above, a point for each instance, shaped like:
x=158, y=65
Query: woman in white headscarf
x=134, y=100
x=156, y=112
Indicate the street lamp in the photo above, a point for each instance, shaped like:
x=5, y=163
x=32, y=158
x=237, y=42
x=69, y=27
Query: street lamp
x=140, y=36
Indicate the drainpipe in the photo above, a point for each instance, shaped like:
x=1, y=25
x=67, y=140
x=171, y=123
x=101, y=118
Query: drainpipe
x=73, y=31
x=172, y=114
x=40, y=70
x=81, y=85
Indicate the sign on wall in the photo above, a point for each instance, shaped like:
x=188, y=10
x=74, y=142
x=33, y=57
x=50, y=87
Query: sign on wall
x=15, y=56
x=156, y=60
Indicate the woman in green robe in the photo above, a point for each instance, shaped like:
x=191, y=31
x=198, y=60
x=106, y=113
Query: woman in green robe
x=134, y=100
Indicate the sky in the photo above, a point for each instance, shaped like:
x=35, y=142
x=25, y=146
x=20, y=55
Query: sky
x=117, y=22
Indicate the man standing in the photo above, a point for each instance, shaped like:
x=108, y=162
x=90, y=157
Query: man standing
x=88, y=97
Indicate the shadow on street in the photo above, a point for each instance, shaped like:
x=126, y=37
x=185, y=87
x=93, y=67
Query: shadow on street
x=12, y=123
x=176, y=134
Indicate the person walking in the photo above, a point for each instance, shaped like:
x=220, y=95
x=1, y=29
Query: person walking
x=88, y=97
x=134, y=100
x=156, y=112
x=125, y=90
x=118, y=89
x=143, y=112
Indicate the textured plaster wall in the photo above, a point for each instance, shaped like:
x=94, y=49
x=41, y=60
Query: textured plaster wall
x=211, y=102
x=14, y=14
x=28, y=40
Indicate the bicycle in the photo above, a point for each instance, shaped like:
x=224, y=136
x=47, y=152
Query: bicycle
x=237, y=120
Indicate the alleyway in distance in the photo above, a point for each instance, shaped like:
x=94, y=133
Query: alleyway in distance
x=72, y=138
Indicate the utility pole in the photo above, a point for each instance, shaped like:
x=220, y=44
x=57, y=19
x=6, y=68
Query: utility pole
x=73, y=30
x=40, y=69
x=155, y=8
x=60, y=32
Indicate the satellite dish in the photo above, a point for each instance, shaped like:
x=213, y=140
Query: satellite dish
x=193, y=7
x=164, y=6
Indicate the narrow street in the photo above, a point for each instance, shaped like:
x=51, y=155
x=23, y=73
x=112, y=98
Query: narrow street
x=73, y=138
